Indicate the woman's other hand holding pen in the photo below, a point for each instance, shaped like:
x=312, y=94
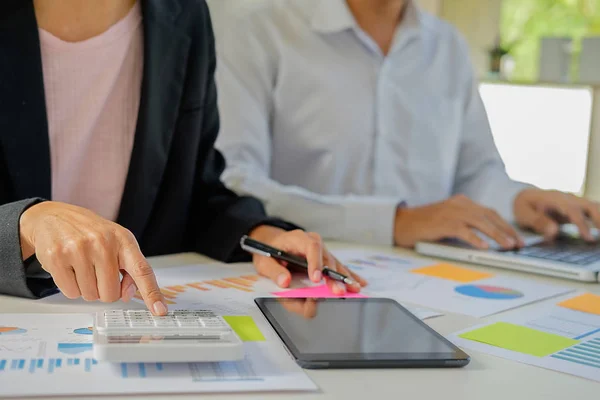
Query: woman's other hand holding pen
x=305, y=244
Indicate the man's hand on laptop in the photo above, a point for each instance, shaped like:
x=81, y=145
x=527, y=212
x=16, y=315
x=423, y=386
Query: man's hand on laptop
x=543, y=211
x=459, y=218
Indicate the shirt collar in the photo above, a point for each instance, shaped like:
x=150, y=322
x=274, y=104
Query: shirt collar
x=412, y=26
x=331, y=16
x=413, y=18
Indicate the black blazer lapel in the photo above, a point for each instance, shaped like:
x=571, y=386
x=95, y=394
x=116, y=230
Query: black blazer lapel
x=165, y=59
x=23, y=122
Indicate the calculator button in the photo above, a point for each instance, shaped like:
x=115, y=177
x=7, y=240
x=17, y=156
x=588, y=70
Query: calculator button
x=141, y=323
x=165, y=322
x=200, y=323
x=188, y=323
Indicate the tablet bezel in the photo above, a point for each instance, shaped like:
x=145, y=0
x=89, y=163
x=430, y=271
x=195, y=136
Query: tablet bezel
x=457, y=358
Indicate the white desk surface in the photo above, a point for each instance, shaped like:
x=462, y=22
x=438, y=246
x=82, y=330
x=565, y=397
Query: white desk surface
x=486, y=377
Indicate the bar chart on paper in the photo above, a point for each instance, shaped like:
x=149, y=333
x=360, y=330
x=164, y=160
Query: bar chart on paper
x=244, y=284
x=208, y=372
x=45, y=365
x=200, y=372
x=587, y=354
x=54, y=357
x=139, y=370
x=230, y=290
x=558, y=336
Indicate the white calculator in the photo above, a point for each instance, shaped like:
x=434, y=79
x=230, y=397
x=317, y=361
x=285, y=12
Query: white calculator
x=180, y=336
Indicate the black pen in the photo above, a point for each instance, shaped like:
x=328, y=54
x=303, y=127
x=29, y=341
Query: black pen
x=256, y=247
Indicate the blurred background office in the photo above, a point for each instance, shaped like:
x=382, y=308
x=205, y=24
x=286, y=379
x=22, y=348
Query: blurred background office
x=539, y=66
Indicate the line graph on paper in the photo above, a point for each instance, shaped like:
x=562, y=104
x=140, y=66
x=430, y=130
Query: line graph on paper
x=565, y=322
x=16, y=348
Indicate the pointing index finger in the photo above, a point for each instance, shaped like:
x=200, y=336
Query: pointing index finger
x=136, y=265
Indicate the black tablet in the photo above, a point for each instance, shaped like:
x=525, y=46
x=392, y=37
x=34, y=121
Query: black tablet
x=357, y=333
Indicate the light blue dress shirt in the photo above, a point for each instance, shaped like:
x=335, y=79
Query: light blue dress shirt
x=333, y=135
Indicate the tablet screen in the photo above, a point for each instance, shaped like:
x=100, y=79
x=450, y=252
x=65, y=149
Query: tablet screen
x=334, y=329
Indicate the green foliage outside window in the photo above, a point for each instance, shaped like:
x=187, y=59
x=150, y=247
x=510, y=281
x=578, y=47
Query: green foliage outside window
x=525, y=22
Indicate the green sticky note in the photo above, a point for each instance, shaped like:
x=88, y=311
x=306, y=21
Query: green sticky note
x=520, y=339
x=246, y=328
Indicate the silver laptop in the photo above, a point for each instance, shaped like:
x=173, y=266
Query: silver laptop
x=566, y=257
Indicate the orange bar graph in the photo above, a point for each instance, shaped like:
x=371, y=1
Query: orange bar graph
x=239, y=281
x=168, y=294
x=243, y=289
x=243, y=283
x=178, y=288
x=225, y=285
x=218, y=284
x=198, y=285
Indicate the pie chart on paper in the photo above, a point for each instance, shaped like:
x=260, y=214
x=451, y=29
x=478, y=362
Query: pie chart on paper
x=84, y=331
x=11, y=330
x=488, y=292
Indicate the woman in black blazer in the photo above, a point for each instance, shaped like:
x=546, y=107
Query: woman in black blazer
x=173, y=199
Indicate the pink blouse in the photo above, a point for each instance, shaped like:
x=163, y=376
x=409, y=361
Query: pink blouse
x=92, y=97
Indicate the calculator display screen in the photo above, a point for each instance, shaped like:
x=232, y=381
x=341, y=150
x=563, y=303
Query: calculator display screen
x=354, y=329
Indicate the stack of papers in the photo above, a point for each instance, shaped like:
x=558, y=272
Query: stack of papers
x=51, y=355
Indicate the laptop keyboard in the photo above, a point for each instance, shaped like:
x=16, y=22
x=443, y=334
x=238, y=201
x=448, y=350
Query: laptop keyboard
x=570, y=251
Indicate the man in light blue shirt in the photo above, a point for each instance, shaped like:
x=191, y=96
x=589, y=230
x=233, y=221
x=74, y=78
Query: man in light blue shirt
x=362, y=120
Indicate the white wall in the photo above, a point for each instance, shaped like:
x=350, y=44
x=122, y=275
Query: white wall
x=592, y=185
x=479, y=22
x=530, y=124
